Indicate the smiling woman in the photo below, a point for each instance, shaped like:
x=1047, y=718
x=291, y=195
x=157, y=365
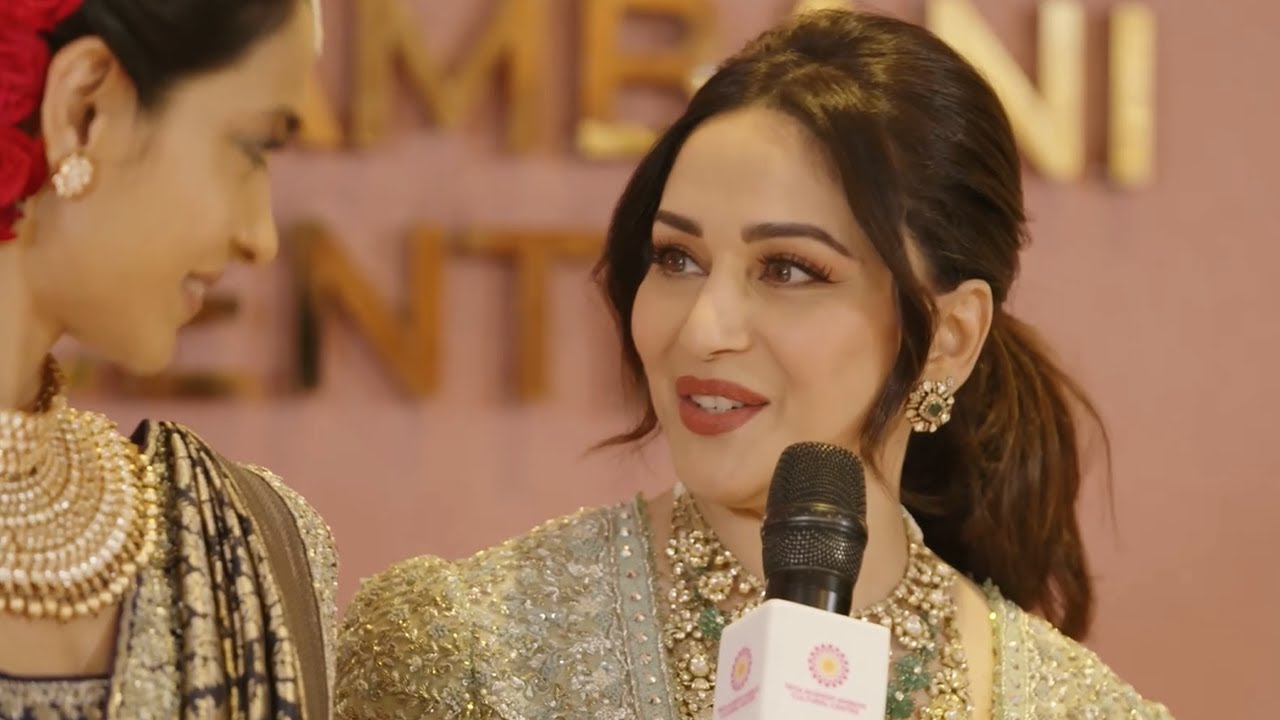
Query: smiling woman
x=818, y=249
x=145, y=576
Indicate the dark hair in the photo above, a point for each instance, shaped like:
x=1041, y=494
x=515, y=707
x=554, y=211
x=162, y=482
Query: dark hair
x=924, y=150
x=159, y=42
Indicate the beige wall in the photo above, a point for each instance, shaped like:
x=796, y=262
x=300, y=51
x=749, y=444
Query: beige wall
x=1162, y=300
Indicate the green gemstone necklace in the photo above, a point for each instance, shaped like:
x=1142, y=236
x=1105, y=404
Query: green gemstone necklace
x=928, y=678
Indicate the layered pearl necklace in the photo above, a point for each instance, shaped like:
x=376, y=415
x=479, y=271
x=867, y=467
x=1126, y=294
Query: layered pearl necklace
x=710, y=589
x=78, y=509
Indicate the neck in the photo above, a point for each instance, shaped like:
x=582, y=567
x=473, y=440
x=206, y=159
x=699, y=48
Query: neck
x=24, y=339
x=884, y=562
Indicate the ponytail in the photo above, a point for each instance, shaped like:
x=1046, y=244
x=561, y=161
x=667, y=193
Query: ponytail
x=995, y=489
x=931, y=171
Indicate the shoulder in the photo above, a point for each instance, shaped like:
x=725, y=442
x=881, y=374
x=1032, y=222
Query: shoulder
x=582, y=534
x=1043, y=673
x=172, y=440
x=169, y=440
x=322, y=556
x=175, y=444
x=316, y=533
x=553, y=580
x=404, y=647
x=432, y=638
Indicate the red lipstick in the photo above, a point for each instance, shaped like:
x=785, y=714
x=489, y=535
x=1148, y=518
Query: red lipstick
x=703, y=421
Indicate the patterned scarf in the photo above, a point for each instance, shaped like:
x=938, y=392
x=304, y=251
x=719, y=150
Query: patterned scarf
x=207, y=637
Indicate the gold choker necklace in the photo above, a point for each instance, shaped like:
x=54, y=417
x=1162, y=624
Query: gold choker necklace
x=929, y=676
x=78, y=509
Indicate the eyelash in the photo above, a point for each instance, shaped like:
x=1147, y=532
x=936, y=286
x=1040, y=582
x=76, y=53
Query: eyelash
x=819, y=273
x=257, y=151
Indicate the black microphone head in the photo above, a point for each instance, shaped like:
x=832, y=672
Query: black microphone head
x=816, y=516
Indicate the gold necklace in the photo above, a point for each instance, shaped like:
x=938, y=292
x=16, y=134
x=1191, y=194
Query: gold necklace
x=710, y=589
x=78, y=509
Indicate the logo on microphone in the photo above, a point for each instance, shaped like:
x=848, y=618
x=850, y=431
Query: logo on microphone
x=828, y=665
x=741, y=669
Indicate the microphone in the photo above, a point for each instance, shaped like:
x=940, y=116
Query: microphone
x=815, y=527
x=800, y=654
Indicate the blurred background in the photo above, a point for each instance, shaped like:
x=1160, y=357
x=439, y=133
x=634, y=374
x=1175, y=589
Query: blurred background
x=429, y=363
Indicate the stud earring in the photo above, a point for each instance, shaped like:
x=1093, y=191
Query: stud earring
x=929, y=405
x=73, y=176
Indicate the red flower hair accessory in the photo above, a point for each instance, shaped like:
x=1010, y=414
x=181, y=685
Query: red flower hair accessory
x=37, y=15
x=24, y=61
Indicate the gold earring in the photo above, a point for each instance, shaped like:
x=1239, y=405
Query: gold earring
x=929, y=405
x=75, y=172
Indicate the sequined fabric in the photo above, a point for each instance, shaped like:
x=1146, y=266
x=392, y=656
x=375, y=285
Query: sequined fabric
x=560, y=623
x=202, y=635
x=1046, y=676
x=322, y=557
x=53, y=699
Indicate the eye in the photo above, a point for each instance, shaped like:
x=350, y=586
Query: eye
x=258, y=150
x=674, y=260
x=256, y=153
x=792, y=270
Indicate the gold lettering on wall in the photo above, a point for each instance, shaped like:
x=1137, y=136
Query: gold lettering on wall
x=605, y=69
x=320, y=127
x=1049, y=123
x=407, y=342
x=405, y=330
x=804, y=6
x=405, y=334
x=1047, y=113
x=516, y=39
x=1131, y=108
x=533, y=254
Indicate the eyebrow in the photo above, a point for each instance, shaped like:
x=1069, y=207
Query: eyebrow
x=292, y=122
x=758, y=231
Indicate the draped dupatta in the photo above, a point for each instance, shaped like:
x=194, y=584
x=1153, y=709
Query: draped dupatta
x=204, y=634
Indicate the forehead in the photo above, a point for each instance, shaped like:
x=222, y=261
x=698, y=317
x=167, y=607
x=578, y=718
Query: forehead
x=760, y=163
x=270, y=73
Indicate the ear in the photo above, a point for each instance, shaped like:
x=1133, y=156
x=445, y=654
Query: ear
x=90, y=102
x=964, y=319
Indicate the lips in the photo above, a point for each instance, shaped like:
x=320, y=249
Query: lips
x=715, y=407
x=195, y=287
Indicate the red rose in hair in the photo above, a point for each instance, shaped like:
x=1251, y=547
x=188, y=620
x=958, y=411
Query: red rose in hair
x=21, y=156
x=8, y=218
x=24, y=60
x=22, y=171
x=36, y=15
x=38, y=171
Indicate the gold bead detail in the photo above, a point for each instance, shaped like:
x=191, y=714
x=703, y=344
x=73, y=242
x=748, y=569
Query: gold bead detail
x=78, y=510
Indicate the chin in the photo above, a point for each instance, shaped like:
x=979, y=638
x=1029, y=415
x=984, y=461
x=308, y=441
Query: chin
x=729, y=481
x=147, y=356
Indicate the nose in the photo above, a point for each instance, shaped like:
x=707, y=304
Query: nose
x=259, y=241
x=719, y=321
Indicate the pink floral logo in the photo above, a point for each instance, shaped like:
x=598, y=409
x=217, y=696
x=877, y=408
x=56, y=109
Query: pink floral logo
x=741, y=669
x=828, y=665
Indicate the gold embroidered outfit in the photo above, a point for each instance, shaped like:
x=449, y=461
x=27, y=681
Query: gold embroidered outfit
x=565, y=622
x=202, y=632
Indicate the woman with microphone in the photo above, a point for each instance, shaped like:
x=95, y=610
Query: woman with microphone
x=819, y=249
x=144, y=576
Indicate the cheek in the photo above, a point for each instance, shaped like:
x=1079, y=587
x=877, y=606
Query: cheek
x=656, y=319
x=195, y=187
x=835, y=361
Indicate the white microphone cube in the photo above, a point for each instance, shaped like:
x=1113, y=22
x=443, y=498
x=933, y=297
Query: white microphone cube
x=786, y=660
